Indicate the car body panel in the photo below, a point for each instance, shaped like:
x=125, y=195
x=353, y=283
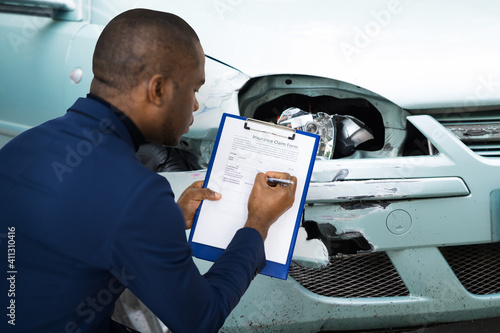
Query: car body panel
x=40, y=53
x=450, y=61
x=436, y=297
x=408, y=59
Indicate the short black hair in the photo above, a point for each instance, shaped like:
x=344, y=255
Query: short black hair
x=139, y=43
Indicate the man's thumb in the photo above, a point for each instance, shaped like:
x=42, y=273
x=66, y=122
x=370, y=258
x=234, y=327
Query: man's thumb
x=212, y=195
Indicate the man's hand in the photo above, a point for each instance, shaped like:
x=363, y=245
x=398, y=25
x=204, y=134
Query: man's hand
x=190, y=200
x=268, y=202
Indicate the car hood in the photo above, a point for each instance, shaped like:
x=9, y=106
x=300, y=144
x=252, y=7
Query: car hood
x=417, y=54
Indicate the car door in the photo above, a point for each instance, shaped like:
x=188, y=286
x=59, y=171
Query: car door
x=41, y=71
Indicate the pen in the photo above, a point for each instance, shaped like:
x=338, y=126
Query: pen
x=284, y=182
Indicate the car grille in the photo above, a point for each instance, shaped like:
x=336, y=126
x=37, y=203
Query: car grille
x=476, y=266
x=486, y=149
x=359, y=275
x=481, y=136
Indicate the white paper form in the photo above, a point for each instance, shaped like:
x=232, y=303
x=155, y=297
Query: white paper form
x=240, y=155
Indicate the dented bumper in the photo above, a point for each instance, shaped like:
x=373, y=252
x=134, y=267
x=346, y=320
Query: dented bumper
x=407, y=208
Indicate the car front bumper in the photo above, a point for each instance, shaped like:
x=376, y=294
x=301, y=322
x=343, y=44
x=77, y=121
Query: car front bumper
x=410, y=208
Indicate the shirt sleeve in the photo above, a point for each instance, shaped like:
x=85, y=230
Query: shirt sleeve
x=150, y=248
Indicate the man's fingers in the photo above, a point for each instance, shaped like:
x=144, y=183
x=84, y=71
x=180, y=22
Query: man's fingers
x=279, y=175
x=199, y=194
x=197, y=184
x=211, y=195
x=261, y=178
x=267, y=203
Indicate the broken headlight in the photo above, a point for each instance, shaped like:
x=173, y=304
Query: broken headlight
x=339, y=134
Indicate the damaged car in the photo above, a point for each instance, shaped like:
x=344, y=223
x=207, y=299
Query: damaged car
x=401, y=226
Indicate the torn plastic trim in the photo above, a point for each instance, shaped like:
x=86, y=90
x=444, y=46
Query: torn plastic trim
x=317, y=243
x=386, y=189
x=350, y=242
x=476, y=132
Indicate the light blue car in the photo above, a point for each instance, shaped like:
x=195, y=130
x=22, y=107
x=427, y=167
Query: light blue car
x=400, y=229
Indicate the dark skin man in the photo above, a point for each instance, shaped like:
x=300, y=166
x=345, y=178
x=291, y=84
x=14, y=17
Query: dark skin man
x=162, y=103
x=91, y=220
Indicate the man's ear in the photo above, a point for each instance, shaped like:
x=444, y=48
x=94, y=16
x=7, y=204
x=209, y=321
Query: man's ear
x=159, y=88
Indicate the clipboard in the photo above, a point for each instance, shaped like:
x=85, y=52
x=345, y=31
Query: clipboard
x=244, y=147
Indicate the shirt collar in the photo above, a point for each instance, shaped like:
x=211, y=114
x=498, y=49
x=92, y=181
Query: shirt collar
x=134, y=131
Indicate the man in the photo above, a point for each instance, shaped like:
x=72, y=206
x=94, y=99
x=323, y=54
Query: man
x=89, y=220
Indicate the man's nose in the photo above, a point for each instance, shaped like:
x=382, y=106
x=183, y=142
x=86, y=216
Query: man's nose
x=196, y=104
